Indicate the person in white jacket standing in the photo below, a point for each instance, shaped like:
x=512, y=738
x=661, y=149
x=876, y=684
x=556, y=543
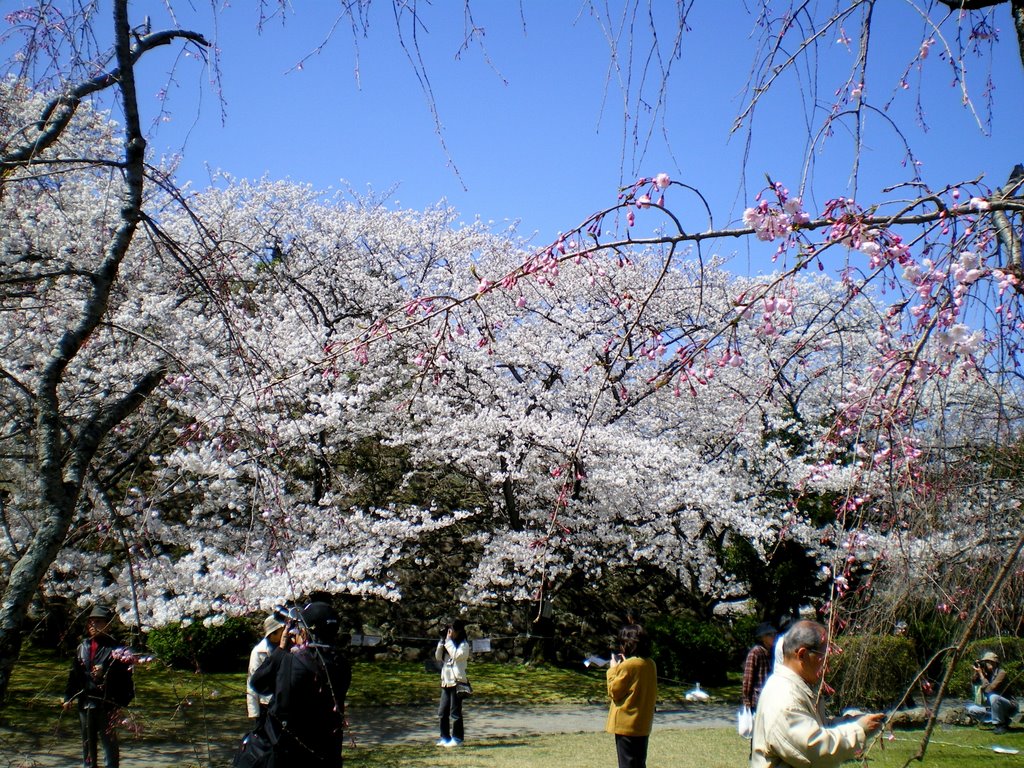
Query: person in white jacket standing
x=453, y=654
x=788, y=725
x=255, y=704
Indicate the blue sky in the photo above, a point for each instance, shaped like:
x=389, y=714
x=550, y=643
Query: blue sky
x=531, y=122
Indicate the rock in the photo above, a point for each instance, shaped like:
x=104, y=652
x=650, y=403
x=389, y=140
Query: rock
x=916, y=717
x=955, y=715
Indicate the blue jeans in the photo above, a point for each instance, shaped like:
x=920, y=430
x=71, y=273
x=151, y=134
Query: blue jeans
x=450, y=714
x=999, y=707
x=99, y=727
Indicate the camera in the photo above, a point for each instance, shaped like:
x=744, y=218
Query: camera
x=290, y=616
x=445, y=630
x=286, y=613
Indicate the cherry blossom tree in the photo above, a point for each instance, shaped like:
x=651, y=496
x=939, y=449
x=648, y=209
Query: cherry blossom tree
x=616, y=396
x=495, y=391
x=65, y=293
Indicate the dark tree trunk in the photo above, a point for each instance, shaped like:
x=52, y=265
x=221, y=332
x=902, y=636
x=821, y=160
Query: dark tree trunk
x=64, y=452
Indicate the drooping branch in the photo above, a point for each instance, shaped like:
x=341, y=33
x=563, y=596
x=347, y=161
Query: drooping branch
x=966, y=635
x=440, y=306
x=1016, y=11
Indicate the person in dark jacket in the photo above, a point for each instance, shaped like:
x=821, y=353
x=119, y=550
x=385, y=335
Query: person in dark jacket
x=101, y=682
x=308, y=678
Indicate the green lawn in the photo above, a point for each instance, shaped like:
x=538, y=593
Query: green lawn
x=172, y=703
x=206, y=713
x=686, y=748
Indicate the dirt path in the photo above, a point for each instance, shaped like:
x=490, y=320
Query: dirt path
x=406, y=725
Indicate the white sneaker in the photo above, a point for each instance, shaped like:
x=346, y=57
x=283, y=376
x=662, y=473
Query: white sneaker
x=453, y=742
x=444, y=743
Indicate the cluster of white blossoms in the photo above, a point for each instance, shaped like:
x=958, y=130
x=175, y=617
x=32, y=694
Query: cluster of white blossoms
x=345, y=385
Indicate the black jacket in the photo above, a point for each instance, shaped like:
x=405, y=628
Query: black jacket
x=306, y=713
x=98, y=678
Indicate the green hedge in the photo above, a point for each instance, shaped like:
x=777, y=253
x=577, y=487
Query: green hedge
x=195, y=646
x=690, y=651
x=872, y=670
x=742, y=639
x=875, y=670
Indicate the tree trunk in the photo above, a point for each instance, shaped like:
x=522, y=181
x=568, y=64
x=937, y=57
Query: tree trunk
x=63, y=466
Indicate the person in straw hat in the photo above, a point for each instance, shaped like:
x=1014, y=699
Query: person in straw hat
x=272, y=629
x=993, y=688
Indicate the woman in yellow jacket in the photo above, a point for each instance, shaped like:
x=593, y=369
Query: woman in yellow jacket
x=632, y=688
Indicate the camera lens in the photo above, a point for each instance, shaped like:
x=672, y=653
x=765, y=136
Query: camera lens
x=285, y=614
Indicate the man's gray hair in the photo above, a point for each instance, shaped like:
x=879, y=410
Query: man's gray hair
x=804, y=634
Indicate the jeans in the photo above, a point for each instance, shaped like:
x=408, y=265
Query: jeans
x=1000, y=707
x=450, y=714
x=99, y=727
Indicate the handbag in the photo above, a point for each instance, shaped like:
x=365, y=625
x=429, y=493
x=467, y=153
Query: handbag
x=745, y=722
x=254, y=751
x=463, y=689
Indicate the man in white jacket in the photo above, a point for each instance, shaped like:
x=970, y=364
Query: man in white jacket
x=788, y=726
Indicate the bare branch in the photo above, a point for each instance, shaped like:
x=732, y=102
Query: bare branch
x=58, y=113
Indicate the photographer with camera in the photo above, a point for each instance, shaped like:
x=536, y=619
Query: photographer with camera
x=992, y=686
x=453, y=654
x=632, y=680
x=101, y=682
x=308, y=679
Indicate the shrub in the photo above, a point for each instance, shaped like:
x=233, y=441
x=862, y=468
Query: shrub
x=742, y=638
x=214, y=648
x=688, y=650
x=872, y=670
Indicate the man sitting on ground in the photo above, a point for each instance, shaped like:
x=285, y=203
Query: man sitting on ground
x=993, y=684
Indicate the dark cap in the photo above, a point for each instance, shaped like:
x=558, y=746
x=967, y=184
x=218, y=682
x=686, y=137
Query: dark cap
x=100, y=612
x=321, y=620
x=764, y=628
